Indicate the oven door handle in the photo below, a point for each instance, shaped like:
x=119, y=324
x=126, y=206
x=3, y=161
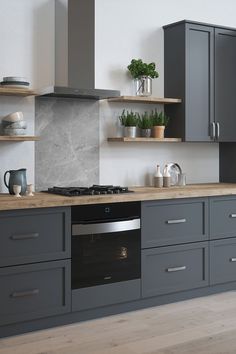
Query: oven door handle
x=103, y=228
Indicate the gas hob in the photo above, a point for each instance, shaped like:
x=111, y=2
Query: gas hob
x=93, y=190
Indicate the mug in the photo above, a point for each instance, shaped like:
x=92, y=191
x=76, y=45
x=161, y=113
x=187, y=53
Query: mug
x=16, y=177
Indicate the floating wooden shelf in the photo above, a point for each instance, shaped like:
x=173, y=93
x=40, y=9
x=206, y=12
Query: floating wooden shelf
x=5, y=91
x=150, y=99
x=150, y=140
x=18, y=138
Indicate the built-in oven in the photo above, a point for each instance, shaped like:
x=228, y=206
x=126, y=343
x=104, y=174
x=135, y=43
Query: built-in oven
x=106, y=244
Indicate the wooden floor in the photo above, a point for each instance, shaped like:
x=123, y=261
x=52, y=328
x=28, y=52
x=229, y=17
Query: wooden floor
x=205, y=325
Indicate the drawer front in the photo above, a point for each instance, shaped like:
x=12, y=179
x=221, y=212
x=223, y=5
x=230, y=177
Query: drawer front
x=222, y=217
x=169, y=223
x=104, y=295
x=222, y=261
x=174, y=268
x=34, y=235
x=34, y=291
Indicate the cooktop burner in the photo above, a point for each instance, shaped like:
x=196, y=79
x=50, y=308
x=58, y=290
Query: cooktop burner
x=93, y=190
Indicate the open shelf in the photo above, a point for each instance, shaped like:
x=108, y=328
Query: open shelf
x=5, y=91
x=149, y=99
x=140, y=139
x=18, y=138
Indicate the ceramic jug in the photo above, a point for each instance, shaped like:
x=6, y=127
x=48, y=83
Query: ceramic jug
x=16, y=177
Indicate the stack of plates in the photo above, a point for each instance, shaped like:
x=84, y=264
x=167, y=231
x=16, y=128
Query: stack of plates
x=14, y=124
x=15, y=82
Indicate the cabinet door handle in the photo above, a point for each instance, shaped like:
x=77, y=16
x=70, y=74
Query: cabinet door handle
x=213, y=135
x=232, y=259
x=25, y=236
x=176, y=221
x=217, y=130
x=25, y=293
x=176, y=269
x=232, y=215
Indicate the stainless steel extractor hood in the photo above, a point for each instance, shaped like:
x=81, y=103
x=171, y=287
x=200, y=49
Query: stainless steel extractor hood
x=80, y=70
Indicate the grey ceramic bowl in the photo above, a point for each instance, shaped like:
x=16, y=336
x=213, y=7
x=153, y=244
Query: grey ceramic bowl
x=10, y=131
x=15, y=125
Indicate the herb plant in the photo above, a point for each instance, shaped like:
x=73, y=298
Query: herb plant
x=144, y=121
x=159, y=118
x=138, y=68
x=128, y=119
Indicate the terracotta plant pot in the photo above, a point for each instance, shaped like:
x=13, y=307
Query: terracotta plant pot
x=158, y=131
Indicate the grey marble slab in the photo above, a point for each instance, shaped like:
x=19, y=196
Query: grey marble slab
x=68, y=151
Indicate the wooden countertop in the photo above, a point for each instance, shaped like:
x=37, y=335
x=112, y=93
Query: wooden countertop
x=44, y=200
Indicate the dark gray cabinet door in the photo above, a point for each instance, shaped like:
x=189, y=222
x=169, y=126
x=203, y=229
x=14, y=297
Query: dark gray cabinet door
x=174, y=268
x=33, y=291
x=222, y=261
x=34, y=235
x=222, y=217
x=174, y=222
x=189, y=75
x=225, y=84
x=199, y=82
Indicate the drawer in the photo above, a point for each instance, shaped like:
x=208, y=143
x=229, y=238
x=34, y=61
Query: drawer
x=222, y=261
x=172, y=223
x=104, y=295
x=34, y=291
x=222, y=217
x=174, y=268
x=34, y=235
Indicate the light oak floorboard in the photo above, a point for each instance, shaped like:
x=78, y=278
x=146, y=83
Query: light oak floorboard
x=204, y=325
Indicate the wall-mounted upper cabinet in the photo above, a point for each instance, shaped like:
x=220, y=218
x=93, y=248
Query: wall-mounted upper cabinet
x=200, y=69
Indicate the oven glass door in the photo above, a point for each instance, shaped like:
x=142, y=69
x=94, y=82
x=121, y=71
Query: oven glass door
x=105, y=258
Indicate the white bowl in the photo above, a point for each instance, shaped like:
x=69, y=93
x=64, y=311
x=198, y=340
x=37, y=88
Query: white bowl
x=13, y=117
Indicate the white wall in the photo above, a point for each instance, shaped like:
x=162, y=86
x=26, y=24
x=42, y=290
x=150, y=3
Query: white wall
x=27, y=49
x=127, y=29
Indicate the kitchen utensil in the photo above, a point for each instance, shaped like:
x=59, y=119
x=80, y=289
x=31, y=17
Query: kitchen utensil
x=16, y=177
x=14, y=78
x=21, y=124
x=30, y=190
x=13, y=131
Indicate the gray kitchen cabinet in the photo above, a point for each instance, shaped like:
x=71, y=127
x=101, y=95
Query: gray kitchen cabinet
x=200, y=69
x=34, y=235
x=174, y=222
x=222, y=261
x=222, y=217
x=35, y=265
x=34, y=291
x=174, y=268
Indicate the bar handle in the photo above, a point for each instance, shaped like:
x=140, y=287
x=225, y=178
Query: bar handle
x=217, y=130
x=176, y=269
x=25, y=236
x=26, y=293
x=176, y=221
x=232, y=259
x=232, y=215
x=213, y=135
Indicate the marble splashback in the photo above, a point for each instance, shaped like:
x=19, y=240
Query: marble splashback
x=68, y=151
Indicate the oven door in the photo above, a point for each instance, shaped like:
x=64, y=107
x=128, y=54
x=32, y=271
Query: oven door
x=105, y=253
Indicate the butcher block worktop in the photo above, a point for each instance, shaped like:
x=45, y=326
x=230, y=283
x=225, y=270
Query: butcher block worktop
x=45, y=200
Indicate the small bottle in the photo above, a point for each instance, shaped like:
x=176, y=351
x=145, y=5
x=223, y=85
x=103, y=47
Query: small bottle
x=158, y=178
x=166, y=178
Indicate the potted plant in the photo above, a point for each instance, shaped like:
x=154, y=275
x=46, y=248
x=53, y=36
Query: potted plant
x=129, y=120
x=142, y=73
x=159, y=122
x=145, y=125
